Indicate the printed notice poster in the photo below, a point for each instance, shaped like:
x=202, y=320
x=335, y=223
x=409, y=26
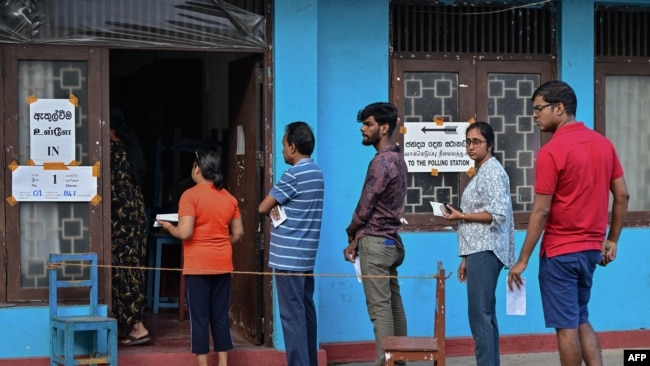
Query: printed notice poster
x=36, y=184
x=52, y=131
x=428, y=146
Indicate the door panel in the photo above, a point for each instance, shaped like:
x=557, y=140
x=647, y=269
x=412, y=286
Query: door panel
x=36, y=229
x=244, y=173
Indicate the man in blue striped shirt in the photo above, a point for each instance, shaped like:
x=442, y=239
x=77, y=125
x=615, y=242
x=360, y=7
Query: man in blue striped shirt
x=294, y=242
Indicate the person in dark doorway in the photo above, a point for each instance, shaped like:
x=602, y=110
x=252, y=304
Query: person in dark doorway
x=574, y=174
x=372, y=233
x=294, y=242
x=209, y=224
x=128, y=231
x=486, y=239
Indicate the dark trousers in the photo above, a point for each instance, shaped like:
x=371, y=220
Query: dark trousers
x=208, y=303
x=298, y=315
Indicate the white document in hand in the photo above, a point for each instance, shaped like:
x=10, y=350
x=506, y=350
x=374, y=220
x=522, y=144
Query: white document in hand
x=516, y=299
x=437, y=208
x=172, y=217
x=281, y=219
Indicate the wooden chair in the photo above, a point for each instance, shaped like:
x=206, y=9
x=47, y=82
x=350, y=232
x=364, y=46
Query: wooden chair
x=422, y=348
x=64, y=327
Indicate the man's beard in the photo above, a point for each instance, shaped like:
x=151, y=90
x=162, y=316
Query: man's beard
x=370, y=140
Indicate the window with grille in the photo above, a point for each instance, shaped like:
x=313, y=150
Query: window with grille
x=480, y=61
x=425, y=26
x=622, y=31
x=622, y=47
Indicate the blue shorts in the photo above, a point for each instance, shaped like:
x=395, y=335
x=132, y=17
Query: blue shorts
x=565, y=283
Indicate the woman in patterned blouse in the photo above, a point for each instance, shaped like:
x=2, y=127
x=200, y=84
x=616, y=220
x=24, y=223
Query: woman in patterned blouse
x=485, y=239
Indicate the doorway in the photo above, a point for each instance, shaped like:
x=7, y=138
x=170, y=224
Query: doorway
x=183, y=101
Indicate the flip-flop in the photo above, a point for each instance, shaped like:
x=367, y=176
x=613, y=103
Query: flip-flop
x=133, y=341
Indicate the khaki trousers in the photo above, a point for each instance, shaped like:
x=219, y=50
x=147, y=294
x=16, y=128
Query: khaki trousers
x=381, y=259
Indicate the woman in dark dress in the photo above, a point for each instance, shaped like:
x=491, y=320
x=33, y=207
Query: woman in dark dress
x=128, y=231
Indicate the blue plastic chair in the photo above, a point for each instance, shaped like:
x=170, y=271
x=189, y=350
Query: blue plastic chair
x=64, y=327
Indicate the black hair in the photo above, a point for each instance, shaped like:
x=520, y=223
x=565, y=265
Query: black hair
x=556, y=91
x=301, y=136
x=484, y=129
x=382, y=112
x=209, y=162
x=134, y=154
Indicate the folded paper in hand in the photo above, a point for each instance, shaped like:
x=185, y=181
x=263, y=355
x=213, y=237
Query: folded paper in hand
x=172, y=217
x=357, y=268
x=516, y=299
x=437, y=208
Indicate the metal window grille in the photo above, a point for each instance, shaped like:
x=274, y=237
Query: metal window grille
x=622, y=31
x=423, y=26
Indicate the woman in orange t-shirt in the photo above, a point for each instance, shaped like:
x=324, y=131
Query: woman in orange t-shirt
x=208, y=223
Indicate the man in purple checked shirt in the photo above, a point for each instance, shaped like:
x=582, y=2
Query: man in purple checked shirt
x=372, y=233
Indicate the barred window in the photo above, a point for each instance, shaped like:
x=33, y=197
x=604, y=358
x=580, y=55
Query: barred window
x=462, y=62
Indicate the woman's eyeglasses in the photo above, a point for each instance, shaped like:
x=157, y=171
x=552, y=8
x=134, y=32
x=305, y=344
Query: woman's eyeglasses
x=475, y=142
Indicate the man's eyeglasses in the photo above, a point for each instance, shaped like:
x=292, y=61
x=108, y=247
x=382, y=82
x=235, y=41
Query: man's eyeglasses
x=196, y=157
x=539, y=108
x=475, y=142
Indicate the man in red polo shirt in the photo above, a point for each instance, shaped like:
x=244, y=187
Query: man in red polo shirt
x=575, y=171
